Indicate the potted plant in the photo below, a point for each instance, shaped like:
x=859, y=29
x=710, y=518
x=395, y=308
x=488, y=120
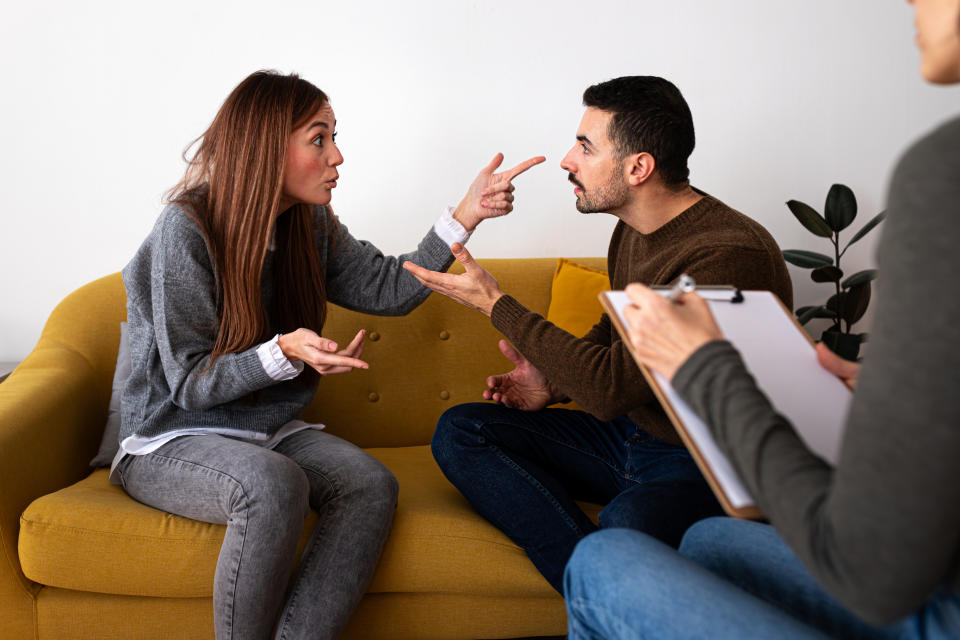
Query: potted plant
x=851, y=295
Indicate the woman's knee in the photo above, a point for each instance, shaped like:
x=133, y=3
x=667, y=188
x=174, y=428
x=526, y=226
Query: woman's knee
x=600, y=559
x=371, y=479
x=276, y=483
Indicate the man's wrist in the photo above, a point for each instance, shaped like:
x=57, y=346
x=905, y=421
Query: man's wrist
x=556, y=395
x=493, y=302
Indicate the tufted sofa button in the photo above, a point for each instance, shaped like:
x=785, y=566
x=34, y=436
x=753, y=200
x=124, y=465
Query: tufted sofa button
x=445, y=395
x=374, y=396
x=374, y=336
x=444, y=335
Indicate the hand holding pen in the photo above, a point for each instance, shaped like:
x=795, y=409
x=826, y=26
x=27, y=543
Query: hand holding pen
x=666, y=330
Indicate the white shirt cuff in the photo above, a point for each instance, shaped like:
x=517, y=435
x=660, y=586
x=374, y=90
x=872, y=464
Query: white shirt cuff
x=450, y=230
x=275, y=363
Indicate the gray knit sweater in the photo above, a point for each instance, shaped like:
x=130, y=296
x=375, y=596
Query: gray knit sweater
x=172, y=324
x=881, y=531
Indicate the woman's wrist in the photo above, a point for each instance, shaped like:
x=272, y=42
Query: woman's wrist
x=283, y=341
x=462, y=218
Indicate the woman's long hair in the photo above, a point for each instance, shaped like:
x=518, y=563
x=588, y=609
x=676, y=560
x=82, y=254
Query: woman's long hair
x=232, y=189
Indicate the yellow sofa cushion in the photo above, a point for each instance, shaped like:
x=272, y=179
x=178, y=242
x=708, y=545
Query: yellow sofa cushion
x=92, y=537
x=81, y=615
x=574, y=305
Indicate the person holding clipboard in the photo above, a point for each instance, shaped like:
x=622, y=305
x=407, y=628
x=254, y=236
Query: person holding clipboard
x=869, y=548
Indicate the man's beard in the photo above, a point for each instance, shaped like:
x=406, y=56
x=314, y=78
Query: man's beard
x=610, y=195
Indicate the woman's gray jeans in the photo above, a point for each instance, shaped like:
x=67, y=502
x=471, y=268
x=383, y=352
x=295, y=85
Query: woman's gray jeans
x=263, y=496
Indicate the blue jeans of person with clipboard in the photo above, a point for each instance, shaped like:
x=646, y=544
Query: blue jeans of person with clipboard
x=731, y=579
x=524, y=471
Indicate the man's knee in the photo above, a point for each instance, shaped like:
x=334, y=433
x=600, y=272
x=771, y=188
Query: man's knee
x=662, y=510
x=618, y=515
x=459, y=428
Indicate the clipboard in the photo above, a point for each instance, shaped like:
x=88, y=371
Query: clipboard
x=780, y=356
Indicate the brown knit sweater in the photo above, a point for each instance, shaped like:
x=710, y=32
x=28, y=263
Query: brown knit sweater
x=711, y=242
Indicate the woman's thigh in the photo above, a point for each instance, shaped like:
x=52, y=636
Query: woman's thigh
x=207, y=477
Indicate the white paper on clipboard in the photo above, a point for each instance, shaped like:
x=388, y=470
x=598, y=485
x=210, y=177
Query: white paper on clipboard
x=782, y=361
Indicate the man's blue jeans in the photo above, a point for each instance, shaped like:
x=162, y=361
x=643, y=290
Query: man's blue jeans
x=731, y=579
x=524, y=471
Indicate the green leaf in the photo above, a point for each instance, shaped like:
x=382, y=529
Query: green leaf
x=859, y=277
x=835, y=302
x=810, y=219
x=807, y=259
x=877, y=219
x=855, y=303
x=826, y=274
x=840, y=208
x=806, y=314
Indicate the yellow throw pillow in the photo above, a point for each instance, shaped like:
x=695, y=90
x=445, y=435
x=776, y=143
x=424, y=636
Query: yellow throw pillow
x=574, y=305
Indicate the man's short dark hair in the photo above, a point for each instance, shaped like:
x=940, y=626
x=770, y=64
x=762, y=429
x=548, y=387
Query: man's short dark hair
x=649, y=115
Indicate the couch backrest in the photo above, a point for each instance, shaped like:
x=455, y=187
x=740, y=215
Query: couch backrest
x=420, y=364
x=424, y=363
x=87, y=322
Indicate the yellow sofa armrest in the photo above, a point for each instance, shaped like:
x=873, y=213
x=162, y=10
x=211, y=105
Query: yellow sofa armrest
x=51, y=419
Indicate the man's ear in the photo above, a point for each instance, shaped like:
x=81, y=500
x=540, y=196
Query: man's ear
x=640, y=167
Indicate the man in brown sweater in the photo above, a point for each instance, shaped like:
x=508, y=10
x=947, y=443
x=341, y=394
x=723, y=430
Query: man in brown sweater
x=524, y=466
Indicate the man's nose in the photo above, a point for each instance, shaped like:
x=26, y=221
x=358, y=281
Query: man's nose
x=567, y=163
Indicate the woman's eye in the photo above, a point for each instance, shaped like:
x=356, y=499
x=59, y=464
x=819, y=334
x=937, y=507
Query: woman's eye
x=333, y=138
x=318, y=141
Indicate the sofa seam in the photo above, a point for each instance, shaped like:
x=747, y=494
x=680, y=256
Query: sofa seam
x=110, y=533
x=198, y=543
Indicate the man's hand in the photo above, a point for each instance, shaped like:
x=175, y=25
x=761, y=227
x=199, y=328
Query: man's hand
x=321, y=353
x=475, y=288
x=524, y=388
x=491, y=194
x=844, y=369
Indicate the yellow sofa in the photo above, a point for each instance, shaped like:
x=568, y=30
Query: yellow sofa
x=82, y=560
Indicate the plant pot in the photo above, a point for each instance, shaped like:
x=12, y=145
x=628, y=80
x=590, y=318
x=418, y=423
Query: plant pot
x=845, y=345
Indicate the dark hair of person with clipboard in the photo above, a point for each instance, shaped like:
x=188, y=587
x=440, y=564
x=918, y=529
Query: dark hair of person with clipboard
x=869, y=548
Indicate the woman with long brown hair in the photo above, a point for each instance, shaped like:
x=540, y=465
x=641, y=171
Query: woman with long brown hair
x=226, y=300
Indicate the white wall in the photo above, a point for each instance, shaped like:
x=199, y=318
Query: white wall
x=100, y=98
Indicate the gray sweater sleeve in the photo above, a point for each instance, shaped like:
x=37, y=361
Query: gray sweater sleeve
x=881, y=531
x=184, y=320
x=361, y=278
